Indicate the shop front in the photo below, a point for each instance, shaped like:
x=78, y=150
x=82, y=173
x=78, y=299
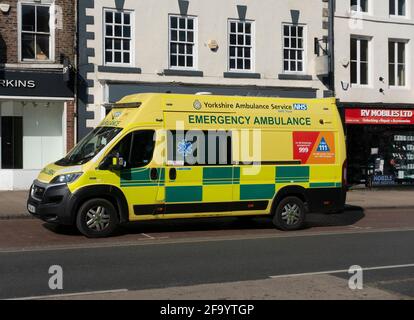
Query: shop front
x=380, y=143
x=35, y=109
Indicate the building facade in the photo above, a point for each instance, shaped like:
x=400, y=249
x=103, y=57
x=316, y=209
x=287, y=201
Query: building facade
x=264, y=48
x=374, y=78
x=37, y=103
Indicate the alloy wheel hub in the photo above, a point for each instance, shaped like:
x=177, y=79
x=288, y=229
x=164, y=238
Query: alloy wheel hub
x=97, y=219
x=291, y=214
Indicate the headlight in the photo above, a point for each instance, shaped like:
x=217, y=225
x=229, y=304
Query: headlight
x=66, y=178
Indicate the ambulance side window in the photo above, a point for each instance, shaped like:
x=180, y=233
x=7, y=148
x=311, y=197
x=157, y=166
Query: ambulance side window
x=142, y=148
x=199, y=148
x=136, y=148
x=123, y=147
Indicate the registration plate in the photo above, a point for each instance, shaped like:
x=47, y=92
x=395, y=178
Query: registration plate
x=31, y=208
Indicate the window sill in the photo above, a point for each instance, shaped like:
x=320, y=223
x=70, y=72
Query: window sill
x=397, y=17
x=361, y=86
x=362, y=13
x=34, y=65
x=401, y=88
x=49, y=61
x=241, y=75
x=118, y=69
x=299, y=77
x=183, y=73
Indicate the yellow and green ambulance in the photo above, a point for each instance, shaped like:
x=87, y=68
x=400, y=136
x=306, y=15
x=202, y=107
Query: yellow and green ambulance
x=170, y=156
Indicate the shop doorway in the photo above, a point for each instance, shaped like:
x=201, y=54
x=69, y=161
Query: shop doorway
x=380, y=155
x=11, y=142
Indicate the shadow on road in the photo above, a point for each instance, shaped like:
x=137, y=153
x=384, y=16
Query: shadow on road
x=351, y=216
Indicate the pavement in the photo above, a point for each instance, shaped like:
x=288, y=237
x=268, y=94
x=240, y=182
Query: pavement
x=13, y=203
x=311, y=287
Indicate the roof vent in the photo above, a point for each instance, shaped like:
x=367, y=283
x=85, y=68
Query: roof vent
x=203, y=93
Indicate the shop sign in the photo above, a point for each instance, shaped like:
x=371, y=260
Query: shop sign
x=379, y=116
x=35, y=84
x=383, y=180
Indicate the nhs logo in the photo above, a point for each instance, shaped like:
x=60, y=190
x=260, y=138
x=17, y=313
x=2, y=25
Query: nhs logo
x=300, y=106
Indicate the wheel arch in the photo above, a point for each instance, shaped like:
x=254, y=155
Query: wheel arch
x=289, y=191
x=108, y=192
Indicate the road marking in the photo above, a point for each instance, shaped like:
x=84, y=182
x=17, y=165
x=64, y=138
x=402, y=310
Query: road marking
x=341, y=271
x=70, y=294
x=148, y=236
x=169, y=241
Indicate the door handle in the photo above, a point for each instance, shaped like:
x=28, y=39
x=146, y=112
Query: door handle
x=154, y=174
x=173, y=174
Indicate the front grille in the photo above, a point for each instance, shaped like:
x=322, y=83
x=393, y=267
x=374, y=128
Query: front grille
x=38, y=192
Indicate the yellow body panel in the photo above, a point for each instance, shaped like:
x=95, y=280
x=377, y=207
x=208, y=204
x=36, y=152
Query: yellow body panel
x=301, y=144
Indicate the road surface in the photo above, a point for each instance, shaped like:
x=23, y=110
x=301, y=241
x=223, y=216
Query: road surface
x=215, y=259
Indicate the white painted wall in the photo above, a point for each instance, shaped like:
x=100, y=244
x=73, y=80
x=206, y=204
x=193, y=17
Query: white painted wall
x=17, y=179
x=381, y=27
x=43, y=139
x=151, y=42
x=42, y=134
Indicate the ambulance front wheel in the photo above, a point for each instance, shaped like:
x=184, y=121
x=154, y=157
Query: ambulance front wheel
x=290, y=214
x=97, y=218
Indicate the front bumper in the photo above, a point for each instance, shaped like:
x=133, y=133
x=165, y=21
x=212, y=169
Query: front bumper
x=49, y=202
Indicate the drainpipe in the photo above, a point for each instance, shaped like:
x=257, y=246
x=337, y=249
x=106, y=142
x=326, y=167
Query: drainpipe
x=331, y=37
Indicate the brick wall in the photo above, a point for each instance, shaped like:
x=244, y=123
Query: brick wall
x=64, y=35
x=8, y=34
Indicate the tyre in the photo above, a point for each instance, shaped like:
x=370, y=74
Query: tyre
x=290, y=214
x=97, y=218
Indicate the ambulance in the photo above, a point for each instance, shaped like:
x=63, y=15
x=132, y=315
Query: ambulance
x=172, y=156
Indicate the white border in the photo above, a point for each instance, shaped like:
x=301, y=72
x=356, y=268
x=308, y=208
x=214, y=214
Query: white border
x=195, y=47
x=253, y=45
x=52, y=17
x=407, y=65
x=132, y=56
x=370, y=62
x=305, y=49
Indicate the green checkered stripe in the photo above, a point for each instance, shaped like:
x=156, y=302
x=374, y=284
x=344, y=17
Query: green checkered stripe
x=223, y=176
x=141, y=177
x=292, y=174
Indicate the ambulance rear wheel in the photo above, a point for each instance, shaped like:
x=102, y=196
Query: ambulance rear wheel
x=290, y=214
x=97, y=218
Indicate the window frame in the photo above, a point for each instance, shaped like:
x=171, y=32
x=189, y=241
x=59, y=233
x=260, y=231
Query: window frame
x=304, y=49
x=396, y=63
x=358, y=61
x=359, y=7
x=132, y=38
x=252, y=45
x=195, y=42
x=51, y=33
x=396, y=14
